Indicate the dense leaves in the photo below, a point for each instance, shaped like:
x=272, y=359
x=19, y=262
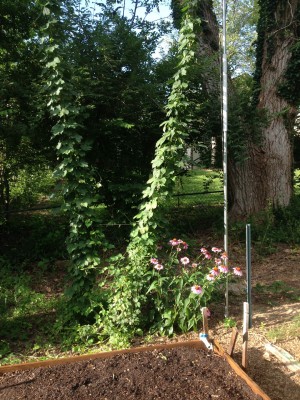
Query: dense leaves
x=22, y=146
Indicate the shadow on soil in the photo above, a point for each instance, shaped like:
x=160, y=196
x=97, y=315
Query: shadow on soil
x=273, y=381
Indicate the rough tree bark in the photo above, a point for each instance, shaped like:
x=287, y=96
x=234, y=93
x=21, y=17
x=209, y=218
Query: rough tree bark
x=265, y=178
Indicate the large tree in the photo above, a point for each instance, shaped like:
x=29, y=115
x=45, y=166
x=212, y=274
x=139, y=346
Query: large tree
x=265, y=176
x=262, y=108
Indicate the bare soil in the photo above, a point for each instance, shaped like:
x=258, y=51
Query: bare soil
x=181, y=373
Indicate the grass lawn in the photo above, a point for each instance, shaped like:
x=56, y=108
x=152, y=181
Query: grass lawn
x=199, y=187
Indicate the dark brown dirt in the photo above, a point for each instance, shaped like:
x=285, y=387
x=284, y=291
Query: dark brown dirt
x=181, y=373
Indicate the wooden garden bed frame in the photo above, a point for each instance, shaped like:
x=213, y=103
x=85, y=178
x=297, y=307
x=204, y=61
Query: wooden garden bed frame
x=197, y=344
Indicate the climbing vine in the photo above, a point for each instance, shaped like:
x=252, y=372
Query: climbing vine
x=125, y=313
x=79, y=187
x=290, y=88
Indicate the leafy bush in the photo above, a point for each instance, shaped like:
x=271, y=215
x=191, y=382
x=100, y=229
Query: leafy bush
x=273, y=225
x=34, y=237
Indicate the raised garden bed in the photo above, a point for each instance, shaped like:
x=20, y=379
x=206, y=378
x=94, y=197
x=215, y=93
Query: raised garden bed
x=170, y=371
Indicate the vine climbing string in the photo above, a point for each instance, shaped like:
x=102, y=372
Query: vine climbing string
x=125, y=313
x=79, y=186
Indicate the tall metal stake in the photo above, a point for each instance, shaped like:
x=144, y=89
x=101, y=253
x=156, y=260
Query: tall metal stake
x=224, y=140
x=248, y=267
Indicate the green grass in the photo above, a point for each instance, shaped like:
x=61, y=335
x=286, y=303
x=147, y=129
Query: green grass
x=289, y=330
x=202, y=183
x=200, y=180
x=26, y=314
x=278, y=289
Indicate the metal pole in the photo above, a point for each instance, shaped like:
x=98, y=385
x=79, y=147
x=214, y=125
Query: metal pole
x=248, y=267
x=245, y=335
x=224, y=140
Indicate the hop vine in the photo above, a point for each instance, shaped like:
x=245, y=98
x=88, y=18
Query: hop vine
x=79, y=188
x=125, y=317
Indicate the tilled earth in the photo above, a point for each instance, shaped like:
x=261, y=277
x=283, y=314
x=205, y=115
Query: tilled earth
x=181, y=373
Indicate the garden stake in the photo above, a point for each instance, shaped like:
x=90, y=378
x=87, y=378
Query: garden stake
x=248, y=268
x=245, y=335
x=233, y=339
x=204, y=336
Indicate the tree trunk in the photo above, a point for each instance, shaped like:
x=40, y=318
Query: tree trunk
x=208, y=48
x=265, y=178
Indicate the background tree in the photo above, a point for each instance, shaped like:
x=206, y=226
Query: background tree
x=105, y=105
x=114, y=74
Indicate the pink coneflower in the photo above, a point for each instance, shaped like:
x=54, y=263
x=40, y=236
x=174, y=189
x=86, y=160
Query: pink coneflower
x=237, y=271
x=197, y=289
x=218, y=261
x=185, y=260
x=194, y=265
x=174, y=242
x=154, y=260
x=223, y=269
x=158, y=267
x=203, y=250
x=185, y=246
x=216, y=250
x=210, y=277
x=215, y=271
x=224, y=256
x=207, y=255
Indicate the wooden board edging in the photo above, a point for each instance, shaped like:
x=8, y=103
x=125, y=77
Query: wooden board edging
x=241, y=373
x=197, y=344
x=92, y=356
